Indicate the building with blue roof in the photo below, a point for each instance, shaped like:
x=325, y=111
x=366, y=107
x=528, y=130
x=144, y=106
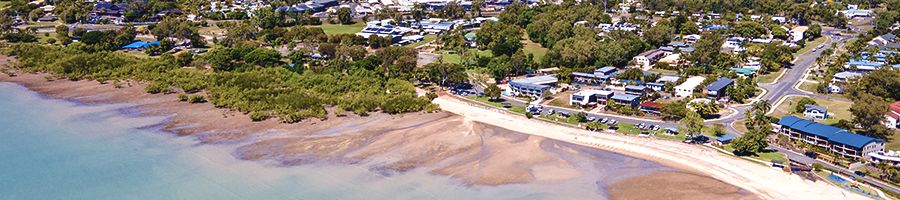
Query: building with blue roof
x=836, y=140
x=725, y=139
x=635, y=90
x=717, y=89
x=533, y=86
x=626, y=99
x=140, y=45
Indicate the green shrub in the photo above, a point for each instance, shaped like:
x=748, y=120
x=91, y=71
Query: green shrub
x=182, y=97
x=157, y=87
x=817, y=167
x=258, y=116
x=196, y=99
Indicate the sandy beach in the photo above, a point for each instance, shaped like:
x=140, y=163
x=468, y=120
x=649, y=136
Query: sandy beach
x=767, y=182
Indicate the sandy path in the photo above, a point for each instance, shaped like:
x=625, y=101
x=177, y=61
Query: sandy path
x=765, y=181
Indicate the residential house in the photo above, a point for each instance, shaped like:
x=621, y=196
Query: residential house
x=686, y=89
x=635, y=90
x=844, y=77
x=533, y=86
x=648, y=58
x=797, y=33
x=891, y=158
x=599, y=76
x=839, y=141
x=626, y=99
x=718, y=88
x=651, y=107
x=893, y=116
x=815, y=112
x=589, y=97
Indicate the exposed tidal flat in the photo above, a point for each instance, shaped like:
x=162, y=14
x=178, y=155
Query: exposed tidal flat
x=101, y=142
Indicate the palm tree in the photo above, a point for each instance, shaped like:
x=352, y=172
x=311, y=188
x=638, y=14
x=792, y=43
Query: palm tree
x=761, y=106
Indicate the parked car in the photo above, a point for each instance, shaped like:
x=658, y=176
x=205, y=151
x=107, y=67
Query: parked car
x=612, y=122
x=604, y=120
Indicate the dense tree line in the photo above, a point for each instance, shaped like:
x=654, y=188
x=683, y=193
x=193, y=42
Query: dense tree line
x=250, y=80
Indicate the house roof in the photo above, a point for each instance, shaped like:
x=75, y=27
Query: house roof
x=536, y=82
x=725, y=138
x=821, y=109
x=668, y=78
x=834, y=134
x=651, y=104
x=635, y=87
x=625, y=97
x=719, y=84
x=895, y=106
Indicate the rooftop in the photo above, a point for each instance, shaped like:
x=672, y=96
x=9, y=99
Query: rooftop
x=625, y=97
x=833, y=134
x=815, y=107
x=719, y=84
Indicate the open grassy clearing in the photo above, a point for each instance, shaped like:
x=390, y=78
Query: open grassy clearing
x=334, y=29
x=837, y=109
x=770, y=77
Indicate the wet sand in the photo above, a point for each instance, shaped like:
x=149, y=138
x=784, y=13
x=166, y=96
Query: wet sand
x=676, y=185
x=443, y=143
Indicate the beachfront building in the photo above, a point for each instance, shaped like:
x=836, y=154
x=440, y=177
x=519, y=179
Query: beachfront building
x=839, y=141
x=532, y=86
x=892, y=158
x=648, y=58
x=815, y=112
x=718, y=89
x=651, y=107
x=589, y=97
x=686, y=89
x=626, y=99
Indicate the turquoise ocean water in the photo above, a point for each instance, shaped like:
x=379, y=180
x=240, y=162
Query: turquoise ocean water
x=59, y=149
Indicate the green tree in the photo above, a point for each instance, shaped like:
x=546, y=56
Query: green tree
x=868, y=110
x=706, y=51
x=492, y=91
x=800, y=107
x=750, y=143
x=692, y=123
x=345, y=15
x=500, y=38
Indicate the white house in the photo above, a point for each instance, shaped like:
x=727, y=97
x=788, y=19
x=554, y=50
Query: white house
x=815, y=112
x=589, y=97
x=797, y=33
x=686, y=89
x=648, y=58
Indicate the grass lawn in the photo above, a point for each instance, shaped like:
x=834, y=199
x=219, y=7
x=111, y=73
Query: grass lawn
x=3, y=4
x=562, y=99
x=811, y=44
x=893, y=142
x=770, y=78
x=808, y=86
x=741, y=126
x=663, y=71
x=837, y=109
x=457, y=58
x=534, y=48
x=498, y=104
x=427, y=39
x=765, y=156
x=333, y=29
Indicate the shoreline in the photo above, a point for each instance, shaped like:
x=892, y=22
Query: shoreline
x=267, y=140
x=762, y=180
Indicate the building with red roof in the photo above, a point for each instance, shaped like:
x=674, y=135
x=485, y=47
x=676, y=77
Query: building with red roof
x=893, y=116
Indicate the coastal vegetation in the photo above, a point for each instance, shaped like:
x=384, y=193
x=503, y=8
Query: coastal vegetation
x=250, y=80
